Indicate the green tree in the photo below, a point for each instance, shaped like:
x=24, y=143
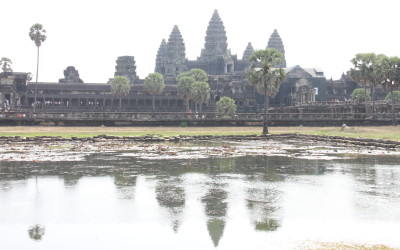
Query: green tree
x=38, y=35
x=154, y=84
x=36, y=232
x=267, y=79
x=362, y=71
x=198, y=75
x=5, y=64
x=360, y=94
x=378, y=76
x=120, y=87
x=200, y=92
x=226, y=106
x=184, y=85
x=396, y=96
x=392, y=81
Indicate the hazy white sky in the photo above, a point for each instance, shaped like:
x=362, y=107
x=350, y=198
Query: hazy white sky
x=90, y=35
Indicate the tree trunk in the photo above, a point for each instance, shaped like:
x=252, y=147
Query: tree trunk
x=154, y=103
x=195, y=106
x=187, y=104
x=373, y=100
x=394, y=120
x=365, y=99
x=266, y=105
x=120, y=103
x=37, y=75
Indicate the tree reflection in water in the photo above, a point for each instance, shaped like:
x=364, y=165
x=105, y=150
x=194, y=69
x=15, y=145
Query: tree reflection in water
x=36, y=232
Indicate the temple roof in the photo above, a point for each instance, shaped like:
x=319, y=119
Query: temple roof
x=175, y=47
x=161, y=55
x=248, y=52
x=215, y=40
x=304, y=72
x=275, y=42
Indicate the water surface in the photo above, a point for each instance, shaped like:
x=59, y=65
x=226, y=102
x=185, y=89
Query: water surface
x=114, y=201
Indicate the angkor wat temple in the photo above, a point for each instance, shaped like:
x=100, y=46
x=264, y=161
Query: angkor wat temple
x=226, y=73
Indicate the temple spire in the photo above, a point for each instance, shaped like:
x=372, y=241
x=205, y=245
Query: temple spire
x=161, y=57
x=248, y=52
x=126, y=66
x=215, y=40
x=275, y=42
x=175, y=53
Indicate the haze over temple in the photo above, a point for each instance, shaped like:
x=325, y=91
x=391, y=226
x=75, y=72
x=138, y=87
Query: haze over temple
x=226, y=77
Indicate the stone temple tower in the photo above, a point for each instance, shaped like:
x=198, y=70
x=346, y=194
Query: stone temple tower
x=161, y=58
x=275, y=42
x=215, y=52
x=126, y=66
x=248, y=52
x=175, y=55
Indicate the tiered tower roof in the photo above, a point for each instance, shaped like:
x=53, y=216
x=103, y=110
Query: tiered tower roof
x=175, y=54
x=161, y=57
x=175, y=47
x=216, y=40
x=275, y=42
x=248, y=52
x=126, y=66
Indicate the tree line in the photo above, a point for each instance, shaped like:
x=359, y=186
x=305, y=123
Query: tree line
x=374, y=70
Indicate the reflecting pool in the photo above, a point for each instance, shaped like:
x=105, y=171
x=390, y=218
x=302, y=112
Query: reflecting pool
x=118, y=201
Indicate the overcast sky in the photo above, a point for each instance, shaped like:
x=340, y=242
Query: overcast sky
x=90, y=35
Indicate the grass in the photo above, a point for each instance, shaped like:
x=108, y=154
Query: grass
x=381, y=132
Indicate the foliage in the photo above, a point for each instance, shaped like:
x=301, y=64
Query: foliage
x=359, y=94
x=200, y=92
x=154, y=84
x=184, y=85
x=392, y=79
x=5, y=64
x=226, y=106
x=198, y=75
x=183, y=124
x=262, y=74
x=396, y=96
x=185, y=81
x=362, y=67
x=120, y=86
x=36, y=232
x=37, y=34
x=265, y=77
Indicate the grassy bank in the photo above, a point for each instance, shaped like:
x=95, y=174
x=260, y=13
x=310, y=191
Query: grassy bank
x=384, y=132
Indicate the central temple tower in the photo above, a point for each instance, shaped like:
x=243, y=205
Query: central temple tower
x=215, y=56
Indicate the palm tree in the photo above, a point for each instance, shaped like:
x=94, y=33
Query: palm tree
x=362, y=71
x=267, y=79
x=184, y=85
x=5, y=64
x=392, y=81
x=120, y=87
x=154, y=84
x=200, y=92
x=38, y=35
x=185, y=81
